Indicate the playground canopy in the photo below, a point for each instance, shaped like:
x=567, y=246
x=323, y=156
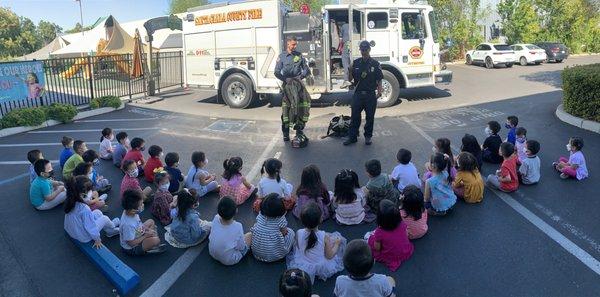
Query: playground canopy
x=44, y=53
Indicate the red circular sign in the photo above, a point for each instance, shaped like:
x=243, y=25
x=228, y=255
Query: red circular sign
x=304, y=8
x=415, y=52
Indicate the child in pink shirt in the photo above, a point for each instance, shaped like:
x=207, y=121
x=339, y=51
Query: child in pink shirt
x=389, y=242
x=130, y=181
x=413, y=212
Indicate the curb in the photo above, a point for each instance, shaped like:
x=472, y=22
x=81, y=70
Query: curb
x=576, y=121
x=50, y=123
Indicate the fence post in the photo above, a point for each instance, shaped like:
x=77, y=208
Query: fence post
x=91, y=79
x=181, y=68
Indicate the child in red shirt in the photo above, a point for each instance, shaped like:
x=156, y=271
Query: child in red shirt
x=135, y=154
x=506, y=178
x=130, y=181
x=154, y=162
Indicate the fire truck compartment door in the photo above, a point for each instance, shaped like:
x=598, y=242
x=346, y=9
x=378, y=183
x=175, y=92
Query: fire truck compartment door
x=377, y=32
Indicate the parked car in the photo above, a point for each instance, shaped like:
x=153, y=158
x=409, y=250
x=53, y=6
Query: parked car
x=555, y=51
x=491, y=55
x=529, y=54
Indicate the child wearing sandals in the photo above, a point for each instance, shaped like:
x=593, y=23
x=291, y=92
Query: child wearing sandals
x=413, y=212
x=234, y=184
x=163, y=199
x=272, y=182
x=349, y=199
x=316, y=252
x=187, y=228
x=227, y=242
x=272, y=240
x=81, y=223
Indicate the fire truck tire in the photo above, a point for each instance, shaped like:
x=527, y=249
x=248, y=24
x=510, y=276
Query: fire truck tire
x=391, y=90
x=237, y=91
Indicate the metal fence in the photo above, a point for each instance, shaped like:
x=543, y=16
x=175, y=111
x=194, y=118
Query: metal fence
x=78, y=80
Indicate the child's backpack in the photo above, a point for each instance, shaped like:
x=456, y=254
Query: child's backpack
x=338, y=126
x=387, y=191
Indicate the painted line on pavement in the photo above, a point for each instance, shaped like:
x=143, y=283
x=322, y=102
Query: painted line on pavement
x=583, y=256
x=91, y=130
x=14, y=178
x=169, y=277
x=43, y=144
x=117, y=120
x=20, y=162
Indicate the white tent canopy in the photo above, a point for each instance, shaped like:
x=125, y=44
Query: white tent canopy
x=44, y=53
x=86, y=43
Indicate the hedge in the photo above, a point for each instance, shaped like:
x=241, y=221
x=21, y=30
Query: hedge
x=581, y=91
x=35, y=116
x=105, y=101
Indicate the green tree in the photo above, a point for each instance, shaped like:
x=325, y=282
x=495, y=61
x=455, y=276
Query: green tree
x=519, y=20
x=9, y=32
x=28, y=38
x=179, y=6
x=48, y=31
x=75, y=29
x=315, y=5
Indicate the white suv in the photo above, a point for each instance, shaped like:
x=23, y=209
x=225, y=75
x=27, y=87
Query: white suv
x=490, y=55
x=529, y=53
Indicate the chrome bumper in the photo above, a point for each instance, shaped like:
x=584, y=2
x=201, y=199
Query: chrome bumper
x=444, y=76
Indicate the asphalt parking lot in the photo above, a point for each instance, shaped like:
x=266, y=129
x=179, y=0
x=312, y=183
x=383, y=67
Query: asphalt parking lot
x=542, y=240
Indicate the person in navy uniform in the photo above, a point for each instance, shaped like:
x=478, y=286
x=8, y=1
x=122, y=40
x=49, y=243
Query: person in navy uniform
x=291, y=68
x=366, y=77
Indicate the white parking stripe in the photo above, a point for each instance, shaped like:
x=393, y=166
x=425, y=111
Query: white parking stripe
x=583, y=256
x=91, y=130
x=116, y=120
x=167, y=279
x=42, y=144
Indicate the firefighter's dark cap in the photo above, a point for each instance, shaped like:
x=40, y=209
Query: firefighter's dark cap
x=364, y=45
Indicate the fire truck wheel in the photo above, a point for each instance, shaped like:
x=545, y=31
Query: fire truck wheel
x=391, y=90
x=237, y=91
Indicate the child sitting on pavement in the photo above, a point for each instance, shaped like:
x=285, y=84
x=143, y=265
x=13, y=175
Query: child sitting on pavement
x=511, y=124
x=120, y=149
x=492, y=143
x=438, y=195
x=81, y=223
x=106, y=147
x=506, y=178
x=379, y=186
x=233, y=183
x=468, y=183
x=349, y=199
x=94, y=200
x=32, y=157
x=176, y=178
x=137, y=238
x=413, y=212
x=45, y=193
x=520, y=141
x=360, y=281
x=312, y=189
x=67, y=151
x=79, y=148
x=135, y=154
x=163, y=199
x=101, y=184
x=405, y=173
x=227, y=242
x=155, y=152
x=574, y=166
x=130, y=181
x=272, y=240
x=198, y=178
x=529, y=172
x=272, y=182
x=187, y=229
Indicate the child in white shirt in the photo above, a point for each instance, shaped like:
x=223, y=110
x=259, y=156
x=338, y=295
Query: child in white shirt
x=227, y=242
x=405, y=173
x=106, y=147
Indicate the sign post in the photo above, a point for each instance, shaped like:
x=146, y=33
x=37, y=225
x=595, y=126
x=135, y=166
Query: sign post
x=165, y=22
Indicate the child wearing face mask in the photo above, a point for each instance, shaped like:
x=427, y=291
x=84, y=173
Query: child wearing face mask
x=120, y=149
x=176, y=178
x=492, y=143
x=81, y=223
x=135, y=154
x=575, y=166
x=520, y=143
x=101, y=184
x=163, y=200
x=130, y=181
x=106, y=147
x=93, y=199
x=45, y=193
x=137, y=238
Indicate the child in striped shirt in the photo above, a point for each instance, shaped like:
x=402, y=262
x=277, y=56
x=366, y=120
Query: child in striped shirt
x=272, y=240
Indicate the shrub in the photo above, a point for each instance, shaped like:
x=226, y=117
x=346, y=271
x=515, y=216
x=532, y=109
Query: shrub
x=581, y=91
x=105, y=101
x=32, y=116
x=61, y=112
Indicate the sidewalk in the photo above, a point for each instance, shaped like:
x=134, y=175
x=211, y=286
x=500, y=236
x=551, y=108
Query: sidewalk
x=576, y=121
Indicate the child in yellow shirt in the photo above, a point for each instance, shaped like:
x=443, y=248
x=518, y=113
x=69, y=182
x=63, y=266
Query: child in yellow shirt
x=468, y=183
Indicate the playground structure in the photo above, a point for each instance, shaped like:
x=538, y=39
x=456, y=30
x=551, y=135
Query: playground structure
x=109, y=50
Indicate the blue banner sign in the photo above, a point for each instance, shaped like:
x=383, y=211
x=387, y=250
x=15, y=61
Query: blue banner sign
x=21, y=80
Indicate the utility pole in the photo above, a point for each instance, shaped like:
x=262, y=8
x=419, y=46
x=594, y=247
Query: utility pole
x=80, y=15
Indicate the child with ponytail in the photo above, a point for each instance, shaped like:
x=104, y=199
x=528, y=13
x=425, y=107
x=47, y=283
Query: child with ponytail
x=439, y=196
x=272, y=182
x=234, y=184
x=316, y=252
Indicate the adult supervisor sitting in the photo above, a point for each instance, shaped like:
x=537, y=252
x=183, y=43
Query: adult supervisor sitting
x=365, y=76
x=291, y=68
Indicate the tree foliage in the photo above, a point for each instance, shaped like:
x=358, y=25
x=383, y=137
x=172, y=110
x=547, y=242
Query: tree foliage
x=179, y=6
x=20, y=36
x=315, y=5
x=520, y=22
x=48, y=31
